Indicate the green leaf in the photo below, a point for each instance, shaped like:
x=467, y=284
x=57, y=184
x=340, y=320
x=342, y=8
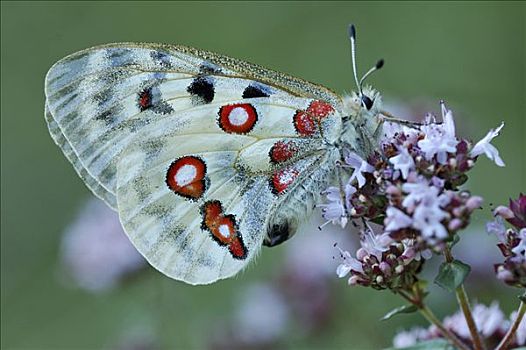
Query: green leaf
x=451, y=275
x=404, y=309
x=522, y=298
x=378, y=220
x=436, y=344
x=454, y=241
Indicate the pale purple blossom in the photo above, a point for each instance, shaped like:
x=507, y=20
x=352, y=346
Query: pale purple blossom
x=497, y=227
x=520, y=249
x=409, y=338
x=490, y=322
x=421, y=192
x=396, y=219
x=403, y=162
x=428, y=219
x=348, y=263
x=334, y=211
x=439, y=139
x=349, y=192
x=96, y=252
x=488, y=319
x=412, y=252
x=359, y=166
x=484, y=146
x=375, y=244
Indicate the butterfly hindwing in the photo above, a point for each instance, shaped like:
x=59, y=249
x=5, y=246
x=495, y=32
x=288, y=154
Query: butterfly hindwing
x=203, y=156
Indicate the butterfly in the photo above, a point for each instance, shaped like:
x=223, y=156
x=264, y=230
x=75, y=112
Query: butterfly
x=205, y=157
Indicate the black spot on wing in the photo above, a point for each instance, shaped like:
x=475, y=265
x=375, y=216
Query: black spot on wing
x=119, y=57
x=202, y=90
x=161, y=58
x=208, y=68
x=150, y=98
x=108, y=115
x=256, y=90
x=103, y=97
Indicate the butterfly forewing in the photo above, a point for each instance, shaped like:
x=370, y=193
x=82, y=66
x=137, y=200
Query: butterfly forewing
x=201, y=154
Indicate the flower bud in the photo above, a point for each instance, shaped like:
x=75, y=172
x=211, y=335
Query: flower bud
x=455, y=224
x=361, y=254
x=503, y=274
x=399, y=269
x=504, y=212
x=353, y=280
x=474, y=203
x=393, y=190
x=458, y=211
x=385, y=268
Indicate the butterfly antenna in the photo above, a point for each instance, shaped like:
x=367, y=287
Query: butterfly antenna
x=377, y=66
x=352, y=37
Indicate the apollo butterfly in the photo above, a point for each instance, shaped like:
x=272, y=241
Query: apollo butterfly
x=205, y=157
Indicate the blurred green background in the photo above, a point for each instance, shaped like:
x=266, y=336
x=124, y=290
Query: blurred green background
x=473, y=55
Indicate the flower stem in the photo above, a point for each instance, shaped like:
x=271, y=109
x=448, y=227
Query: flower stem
x=430, y=316
x=463, y=301
x=505, y=342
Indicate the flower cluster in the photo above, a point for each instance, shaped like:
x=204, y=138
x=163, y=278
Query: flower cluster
x=512, y=241
x=410, y=185
x=381, y=265
x=490, y=320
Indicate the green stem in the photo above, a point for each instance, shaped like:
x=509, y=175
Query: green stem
x=430, y=316
x=505, y=342
x=463, y=301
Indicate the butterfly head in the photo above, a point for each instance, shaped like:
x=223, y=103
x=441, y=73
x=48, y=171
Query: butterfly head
x=361, y=122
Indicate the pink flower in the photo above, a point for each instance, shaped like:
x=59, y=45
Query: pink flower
x=439, y=139
x=96, y=251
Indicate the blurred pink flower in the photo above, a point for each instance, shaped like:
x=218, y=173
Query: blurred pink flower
x=262, y=316
x=95, y=251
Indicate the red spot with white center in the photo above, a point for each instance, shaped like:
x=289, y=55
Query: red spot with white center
x=237, y=118
x=282, y=151
x=307, y=122
x=223, y=229
x=186, y=177
x=282, y=179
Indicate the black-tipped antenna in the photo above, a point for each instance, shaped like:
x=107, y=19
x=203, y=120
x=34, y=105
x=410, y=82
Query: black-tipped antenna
x=377, y=66
x=352, y=37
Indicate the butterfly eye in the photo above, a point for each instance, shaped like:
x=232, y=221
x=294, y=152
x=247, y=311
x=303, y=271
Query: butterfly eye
x=367, y=102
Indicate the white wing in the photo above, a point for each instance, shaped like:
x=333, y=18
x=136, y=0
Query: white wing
x=202, y=155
